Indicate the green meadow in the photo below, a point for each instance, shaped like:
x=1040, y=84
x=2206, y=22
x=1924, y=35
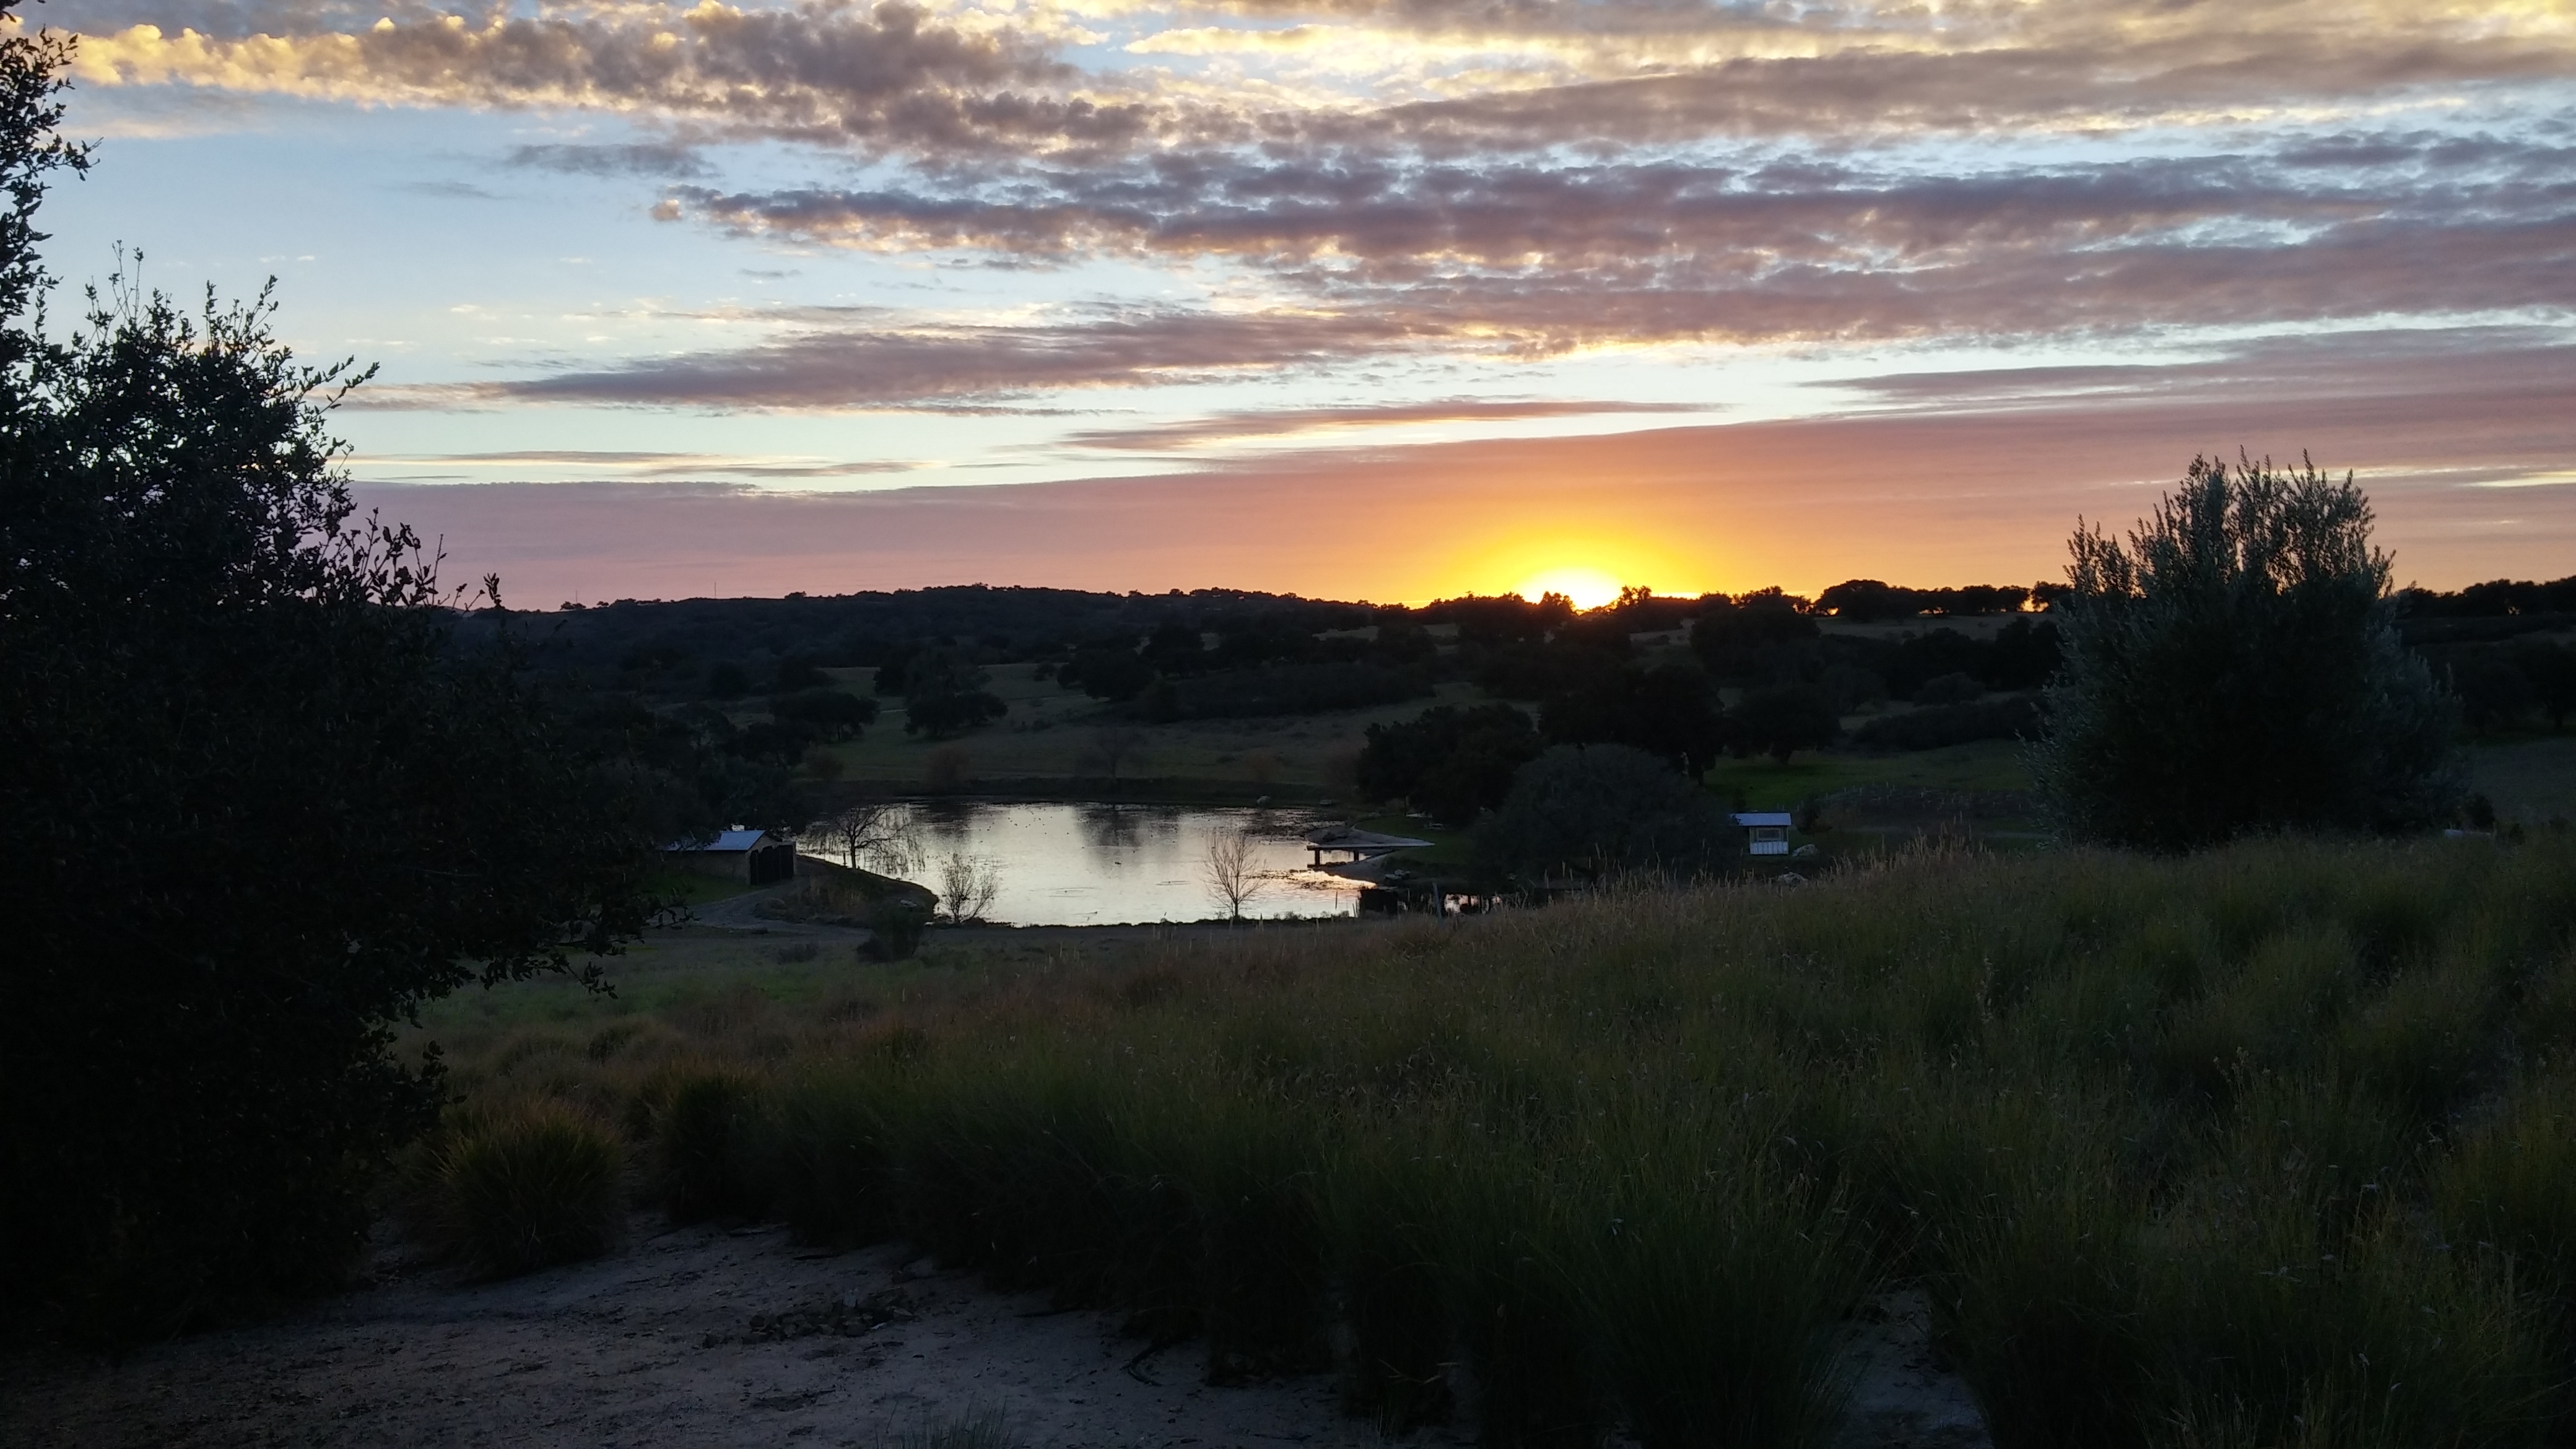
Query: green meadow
x=2271, y=1145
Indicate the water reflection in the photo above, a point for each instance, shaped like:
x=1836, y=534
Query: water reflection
x=1097, y=865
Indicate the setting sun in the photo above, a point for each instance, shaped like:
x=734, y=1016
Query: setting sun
x=1588, y=588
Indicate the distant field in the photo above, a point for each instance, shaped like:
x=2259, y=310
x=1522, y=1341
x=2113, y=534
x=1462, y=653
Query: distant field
x=2530, y=781
x=1985, y=765
x=1050, y=730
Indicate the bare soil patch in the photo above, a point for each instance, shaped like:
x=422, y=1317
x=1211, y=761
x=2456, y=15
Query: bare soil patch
x=707, y=1337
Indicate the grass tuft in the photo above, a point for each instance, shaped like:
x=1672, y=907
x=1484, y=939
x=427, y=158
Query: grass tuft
x=520, y=1187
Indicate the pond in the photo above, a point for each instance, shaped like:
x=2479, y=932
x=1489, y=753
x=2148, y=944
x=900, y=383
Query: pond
x=1056, y=864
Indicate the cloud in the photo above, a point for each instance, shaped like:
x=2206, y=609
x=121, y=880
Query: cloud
x=1365, y=258
x=643, y=464
x=964, y=79
x=1231, y=427
x=854, y=365
x=2363, y=363
x=658, y=159
x=448, y=190
x=888, y=75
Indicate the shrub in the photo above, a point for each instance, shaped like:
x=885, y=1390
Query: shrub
x=520, y=1188
x=895, y=924
x=1936, y=727
x=1782, y=720
x=1451, y=762
x=706, y=1139
x=1599, y=810
x=2231, y=666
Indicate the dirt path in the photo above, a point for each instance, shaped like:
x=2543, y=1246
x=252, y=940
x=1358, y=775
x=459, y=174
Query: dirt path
x=701, y=1337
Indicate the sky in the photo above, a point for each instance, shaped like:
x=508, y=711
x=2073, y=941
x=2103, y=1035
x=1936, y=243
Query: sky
x=1366, y=300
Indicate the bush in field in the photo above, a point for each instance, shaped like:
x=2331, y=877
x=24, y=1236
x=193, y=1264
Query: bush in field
x=1599, y=810
x=259, y=805
x=1782, y=720
x=1936, y=726
x=1454, y=763
x=2231, y=667
x=705, y=1134
x=521, y=1188
x=1669, y=711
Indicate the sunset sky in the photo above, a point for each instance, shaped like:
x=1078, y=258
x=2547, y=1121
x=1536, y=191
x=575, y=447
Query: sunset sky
x=1368, y=300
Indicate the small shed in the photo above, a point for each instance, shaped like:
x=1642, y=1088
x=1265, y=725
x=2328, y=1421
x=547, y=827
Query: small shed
x=754, y=857
x=1766, y=832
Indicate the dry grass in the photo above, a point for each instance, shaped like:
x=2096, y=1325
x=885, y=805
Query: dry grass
x=2262, y=1146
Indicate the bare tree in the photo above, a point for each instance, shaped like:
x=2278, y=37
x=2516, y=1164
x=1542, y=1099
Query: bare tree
x=877, y=830
x=1230, y=871
x=1113, y=745
x=967, y=886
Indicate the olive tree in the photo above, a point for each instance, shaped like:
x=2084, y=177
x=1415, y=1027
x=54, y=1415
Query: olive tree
x=2231, y=667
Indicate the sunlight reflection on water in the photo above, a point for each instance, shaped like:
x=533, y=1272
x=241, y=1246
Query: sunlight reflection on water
x=1099, y=865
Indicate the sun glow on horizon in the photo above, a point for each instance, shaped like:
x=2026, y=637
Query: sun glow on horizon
x=1588, y=588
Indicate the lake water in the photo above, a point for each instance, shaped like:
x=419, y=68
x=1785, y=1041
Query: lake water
x=1100, y=865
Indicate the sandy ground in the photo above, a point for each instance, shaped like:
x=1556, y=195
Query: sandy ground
x=704, y=1337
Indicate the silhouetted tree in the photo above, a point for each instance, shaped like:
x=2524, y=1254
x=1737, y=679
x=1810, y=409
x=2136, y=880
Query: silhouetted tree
x=2551, y=668
x=944, y=695
x=1598, y=810
x=1749, y=637
x=2231, y=667
x=1782, y=720
x=1669, y=711
x=259, y=805
x=726, y=680
x=831, y=714
x=1450, y=762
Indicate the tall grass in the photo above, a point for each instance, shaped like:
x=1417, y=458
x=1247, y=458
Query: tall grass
x=518, y=1186
x=2266, y=1146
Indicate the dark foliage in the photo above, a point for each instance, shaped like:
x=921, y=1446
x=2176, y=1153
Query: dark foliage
x=944, y=695
x=1670, y=712
x=1782, y=720
x=1280, y=690
x=1866, y=600
x=1451, y=762
x=726, y=680
x=1508, y=619
x=1107, y=673
x=873, y=630
x=2503, y=685
x=1537, y=669
x=2007, y=718
x=1175, y=648
x=832, y=714
x=1755, y=636
x=691, y=770
x=2231, y=667
x=2495, y=599
x=259, y=806
x=1599, y=810
x=796, y=673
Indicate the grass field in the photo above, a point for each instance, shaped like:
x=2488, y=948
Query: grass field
x=1764, y=785
x=2269, y=1146
x=1049, y=733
